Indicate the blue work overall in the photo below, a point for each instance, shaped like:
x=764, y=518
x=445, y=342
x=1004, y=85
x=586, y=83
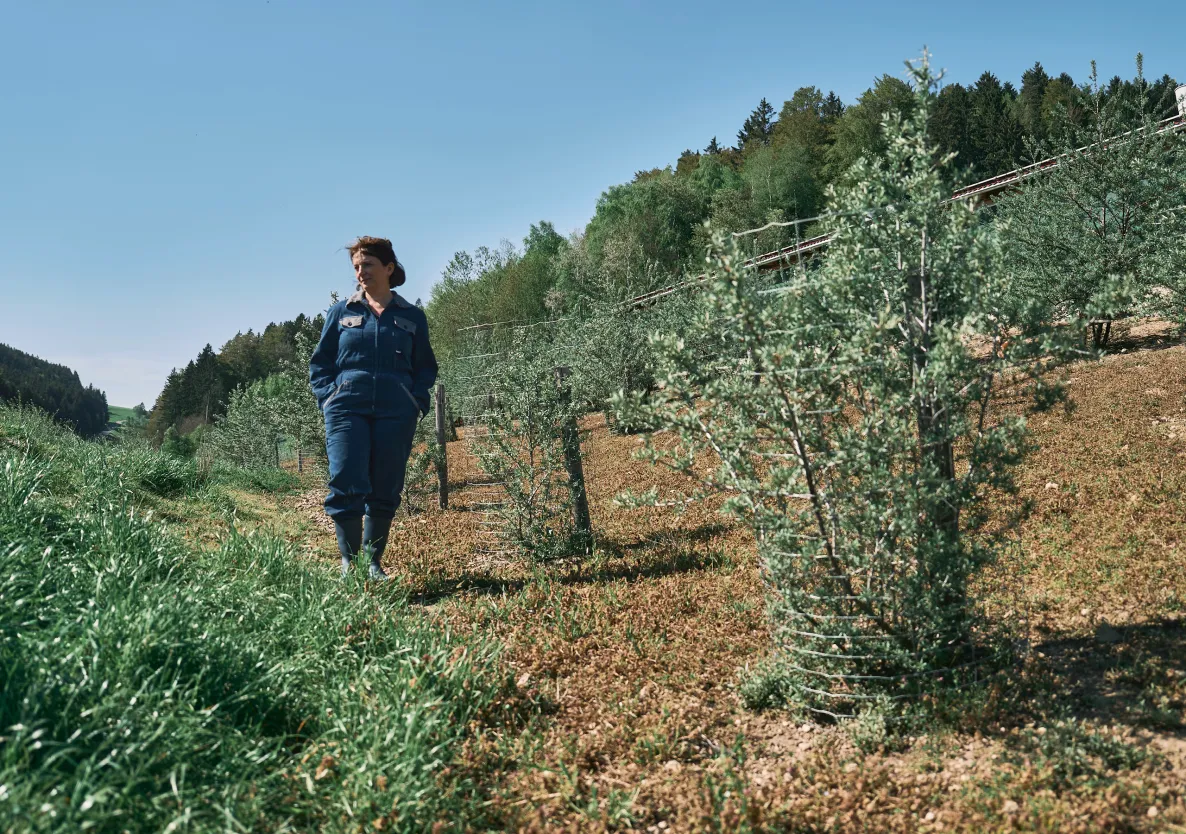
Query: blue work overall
x=371, y=375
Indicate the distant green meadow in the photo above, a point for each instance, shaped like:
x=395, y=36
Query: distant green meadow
x=118, y=414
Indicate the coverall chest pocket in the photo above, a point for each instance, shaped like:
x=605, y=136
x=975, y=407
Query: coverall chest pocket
x=405, y=336
x=350, y=332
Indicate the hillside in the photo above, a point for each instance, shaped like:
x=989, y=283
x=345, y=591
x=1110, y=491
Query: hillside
x=639, y=654
x=118, y=414
x=52, y=388
x=606, y=694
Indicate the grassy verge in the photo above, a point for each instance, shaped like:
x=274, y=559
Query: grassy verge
x=146, y=685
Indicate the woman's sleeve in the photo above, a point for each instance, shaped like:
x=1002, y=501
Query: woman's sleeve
x=323, y=364
x=424, y=368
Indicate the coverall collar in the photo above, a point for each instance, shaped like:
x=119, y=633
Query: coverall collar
x=359, y=297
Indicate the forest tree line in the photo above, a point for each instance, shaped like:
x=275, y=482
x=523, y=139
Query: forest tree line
x=197, y=394
x=52, y=388
x=646, y=233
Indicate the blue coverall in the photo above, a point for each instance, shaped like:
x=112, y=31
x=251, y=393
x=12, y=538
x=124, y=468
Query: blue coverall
x=371, y=376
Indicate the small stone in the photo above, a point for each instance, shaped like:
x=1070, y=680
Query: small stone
x=929, y=817
x=1051, y=485
x=524, y=679
x=1010, y=807
x=1104, y=633
x=671, y=764
x=1152, y=812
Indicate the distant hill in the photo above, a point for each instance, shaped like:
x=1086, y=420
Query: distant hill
x=118, y=414
x=53, y=388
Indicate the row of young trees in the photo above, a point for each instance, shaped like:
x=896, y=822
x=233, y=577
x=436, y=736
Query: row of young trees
x=845, y=408
x=647, y=232
x=52, y=388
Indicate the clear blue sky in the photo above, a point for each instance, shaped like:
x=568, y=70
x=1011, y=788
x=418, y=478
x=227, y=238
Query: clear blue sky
x=174, y=172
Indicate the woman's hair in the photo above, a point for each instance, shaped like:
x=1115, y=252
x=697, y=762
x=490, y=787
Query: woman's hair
x=379, y=247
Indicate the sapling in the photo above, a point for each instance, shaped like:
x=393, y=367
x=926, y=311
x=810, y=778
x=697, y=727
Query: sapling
x=855, y=436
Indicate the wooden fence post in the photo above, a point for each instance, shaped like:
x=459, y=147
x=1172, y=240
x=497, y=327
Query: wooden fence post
x=570, y=440
x=442, y=455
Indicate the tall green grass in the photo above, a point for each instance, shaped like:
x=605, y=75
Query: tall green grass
x=145, y=686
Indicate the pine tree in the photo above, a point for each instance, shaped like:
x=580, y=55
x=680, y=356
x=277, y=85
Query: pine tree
x=713, y=148
x=1033, y=89
x=833, y=108
x=995, y=132
x=758, y=126
x=951, y=127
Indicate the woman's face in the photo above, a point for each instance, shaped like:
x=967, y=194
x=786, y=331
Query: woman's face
x=372, y=274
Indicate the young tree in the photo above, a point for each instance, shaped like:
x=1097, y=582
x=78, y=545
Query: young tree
x=516, y=422
x=1101, y=234
x=856, y=439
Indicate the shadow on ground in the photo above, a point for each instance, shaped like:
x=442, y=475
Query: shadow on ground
x=665, y=555
x=1131, y=674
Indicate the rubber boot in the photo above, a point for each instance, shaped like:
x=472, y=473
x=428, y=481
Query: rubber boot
x=349, y=533
x=374, y=539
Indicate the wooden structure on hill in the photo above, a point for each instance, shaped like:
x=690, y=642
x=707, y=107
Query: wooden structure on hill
x=984, y=191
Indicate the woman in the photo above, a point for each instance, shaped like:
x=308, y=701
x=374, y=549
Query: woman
x=371, y=374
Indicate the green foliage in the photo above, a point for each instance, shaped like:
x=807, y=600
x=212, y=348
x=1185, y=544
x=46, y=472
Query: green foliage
x=758, y=127
x=260, y=416
x=847, y=417
x=1100, y=235
x=858, y=132
x=502, y=285
x=53, y=388
x=196, y=394
x=517, y=413
x=806, y=121
x=181, y=445
x=649, y=221
x=222, y=473
x=651, y=232
x=420, y=479
x=1071, y=750
x=150, y=687
x=996, y=134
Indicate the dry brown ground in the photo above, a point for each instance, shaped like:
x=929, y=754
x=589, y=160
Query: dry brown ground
x=636, y=654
